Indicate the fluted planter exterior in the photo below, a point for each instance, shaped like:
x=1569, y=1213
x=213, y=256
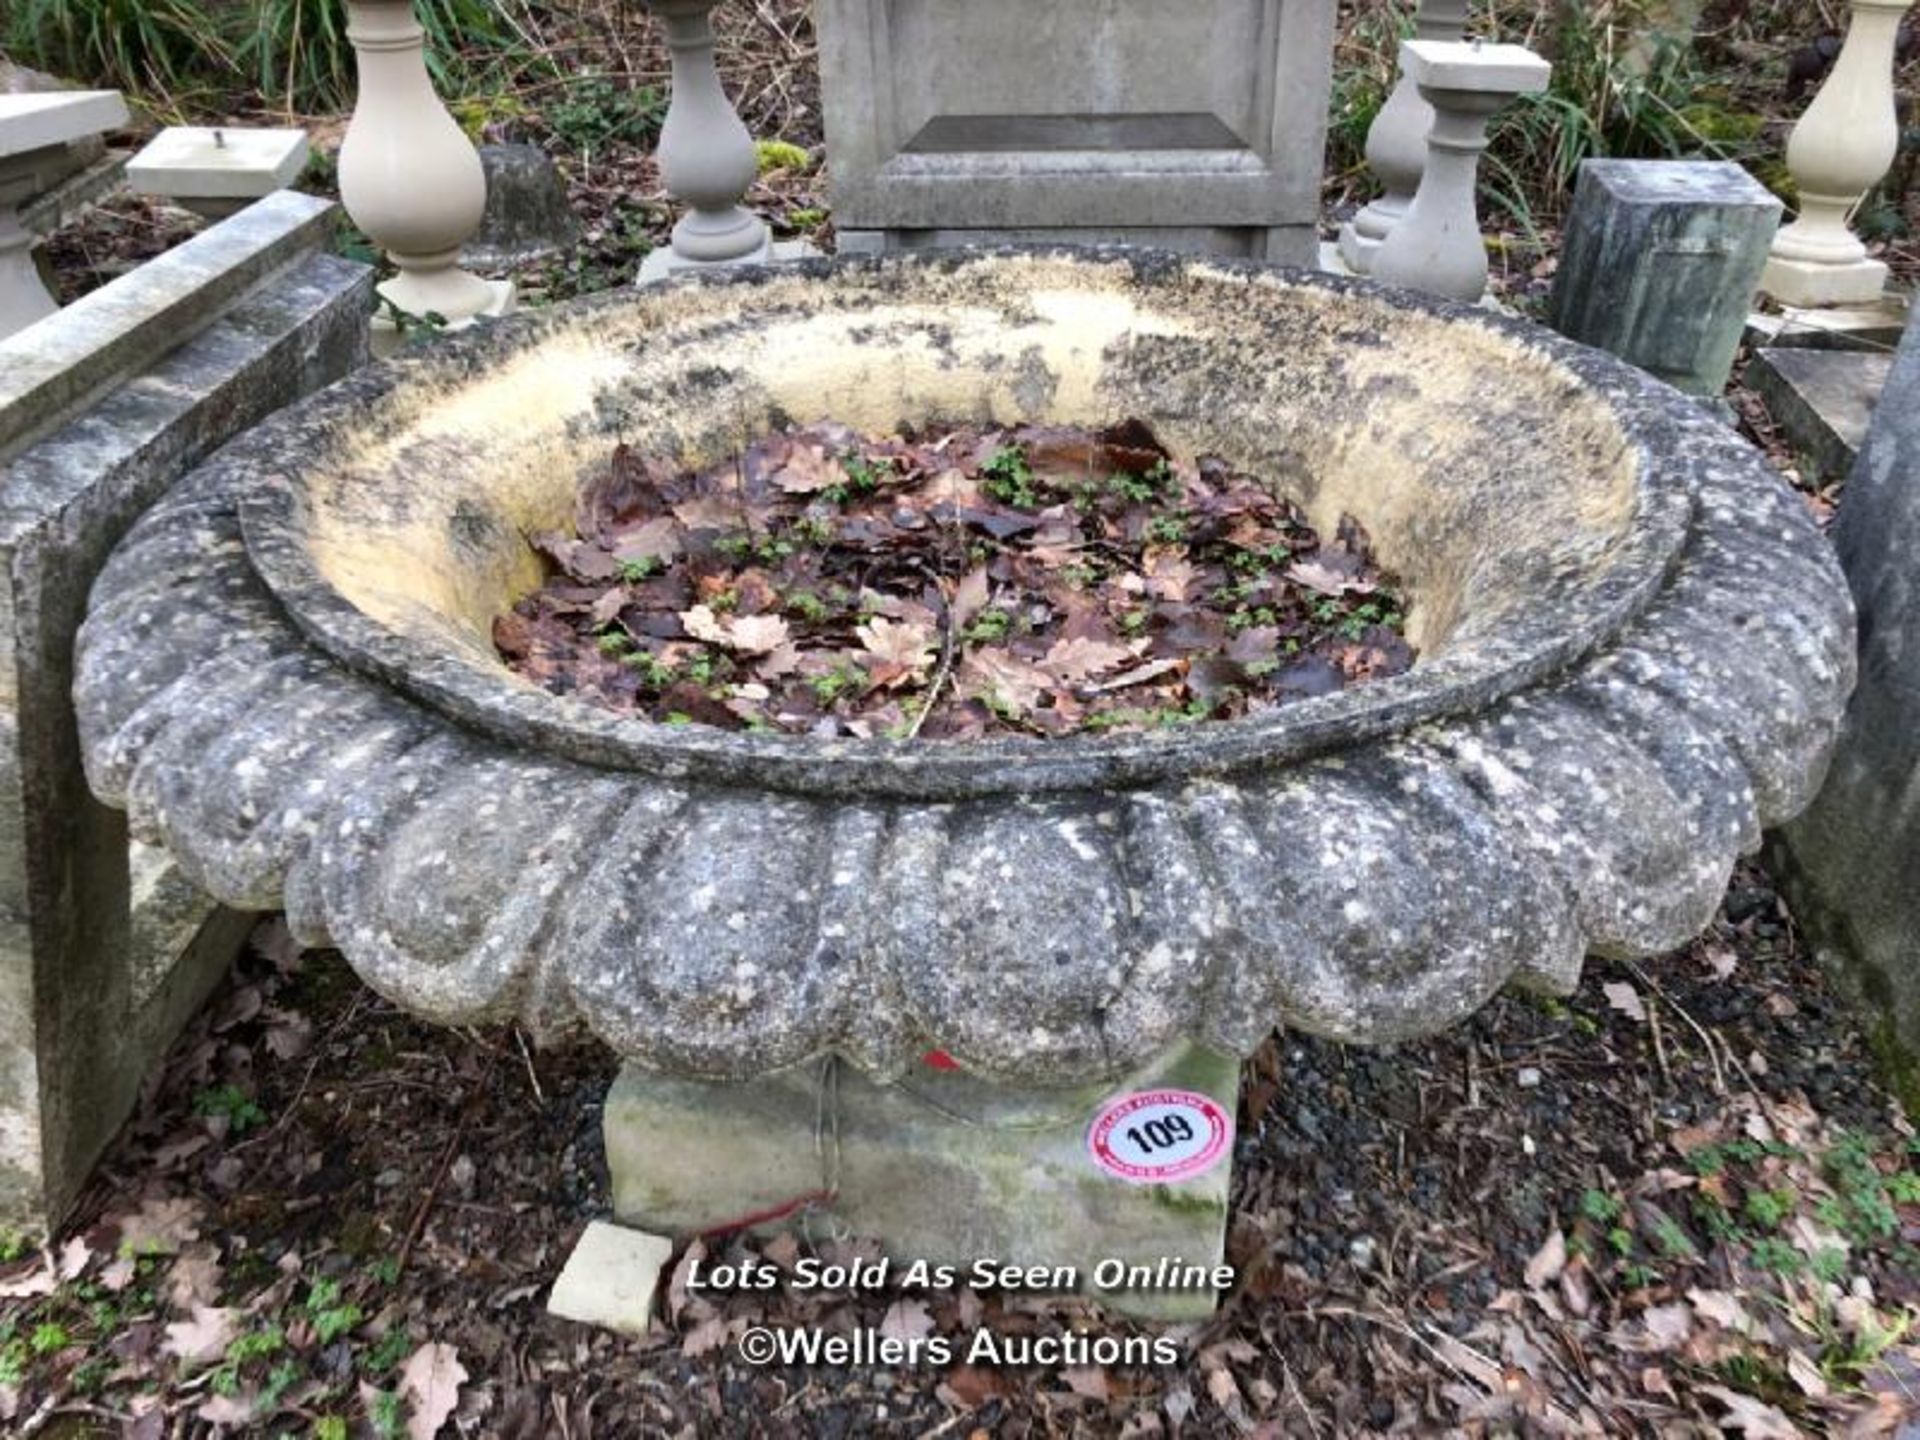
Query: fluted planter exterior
x=1635, y=649
x=409, y=177
x=1842, y=147
x=1397, y=143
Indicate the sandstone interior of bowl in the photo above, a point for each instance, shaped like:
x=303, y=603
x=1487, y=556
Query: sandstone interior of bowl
x=1505, y=493
x=1635, y=652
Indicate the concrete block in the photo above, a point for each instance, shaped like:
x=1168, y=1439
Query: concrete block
x=1823, y=399
x=939, y=1167
x=215, y=171
x=105, y=952
x=1660, y=262
x=1850, y=862
x=610, y=1279
x=1196, y=126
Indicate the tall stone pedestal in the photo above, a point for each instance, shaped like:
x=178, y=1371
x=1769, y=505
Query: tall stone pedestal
x=1851, y=863
x=939, y=1167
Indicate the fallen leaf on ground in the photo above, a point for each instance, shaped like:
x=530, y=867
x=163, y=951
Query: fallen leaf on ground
x=430, y=1382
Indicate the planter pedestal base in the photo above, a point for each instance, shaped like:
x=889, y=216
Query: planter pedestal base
x=941, y=1168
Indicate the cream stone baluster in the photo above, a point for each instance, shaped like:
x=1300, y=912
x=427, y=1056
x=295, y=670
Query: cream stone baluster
x=706, y=156
x=1841, y=148
x=1436, y=245
x=1397, y=143
x=409, y=177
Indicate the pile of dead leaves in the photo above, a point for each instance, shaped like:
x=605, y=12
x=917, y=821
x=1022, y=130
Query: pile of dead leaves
x=949, y=584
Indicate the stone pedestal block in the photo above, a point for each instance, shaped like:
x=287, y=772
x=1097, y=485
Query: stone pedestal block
x=939, y=1167
x=1851, y=862
x=105, y=950
x=1660, y=263
x=1189, y=124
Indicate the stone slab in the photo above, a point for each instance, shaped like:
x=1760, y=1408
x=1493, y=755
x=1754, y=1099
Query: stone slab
x=1851, y=863
x=937, y=1168
x=97, y=972
x=611, y=1278
x=1002, y=118
x=1823, y=399
x=49, y=368
x=661, y=262
x=1659, y=265
x=41, y=119
x=1876, y=326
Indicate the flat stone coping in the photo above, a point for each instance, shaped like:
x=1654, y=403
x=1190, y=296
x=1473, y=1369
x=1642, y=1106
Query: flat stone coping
x=218, y=163
x=130, y=322
x=1468, y=65
x=44, y=119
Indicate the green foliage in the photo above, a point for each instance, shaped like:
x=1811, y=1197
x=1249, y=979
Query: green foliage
x=153, y=45
x=593, y=114
x=1008, y=478
x=330, y=1316
x=296, y=51
x=1599, y=1207
x=293, y=52
x=1608, y=97
x=780, y=155
x=232, y=1102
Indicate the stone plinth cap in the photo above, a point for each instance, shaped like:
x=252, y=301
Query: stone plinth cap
x=39, y=121
x=1471, y=65
x=218, y=163
x=1699, y=182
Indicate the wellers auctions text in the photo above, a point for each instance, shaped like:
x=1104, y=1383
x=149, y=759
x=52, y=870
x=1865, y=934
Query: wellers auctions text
x=983, y=1348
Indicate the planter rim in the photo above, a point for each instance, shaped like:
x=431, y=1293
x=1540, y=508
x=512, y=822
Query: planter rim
x=1545, y=641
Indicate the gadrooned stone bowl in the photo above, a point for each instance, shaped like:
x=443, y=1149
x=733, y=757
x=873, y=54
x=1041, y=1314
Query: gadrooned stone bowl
x=1635, y=650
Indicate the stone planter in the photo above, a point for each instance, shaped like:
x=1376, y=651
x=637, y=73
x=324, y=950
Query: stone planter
x=1635, y=652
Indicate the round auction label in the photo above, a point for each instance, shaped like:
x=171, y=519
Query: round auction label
x=1155, y=1137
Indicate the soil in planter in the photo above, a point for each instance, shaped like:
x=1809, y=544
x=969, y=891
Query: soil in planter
x=950, y=583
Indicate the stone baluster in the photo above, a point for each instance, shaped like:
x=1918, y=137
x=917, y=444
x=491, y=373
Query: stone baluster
x=1841, y=148
x=1397, y=143
x=35, y=131
x=409, y=177
x=706, y=156
x=1436, y=245
x=23, y=296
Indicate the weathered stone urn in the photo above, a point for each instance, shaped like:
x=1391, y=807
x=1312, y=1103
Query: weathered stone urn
x=1635, y=649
